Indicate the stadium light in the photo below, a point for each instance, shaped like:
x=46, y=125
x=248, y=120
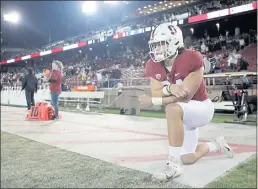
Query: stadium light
x=12, y=17
x=192, y=30
x=89, y=7
x=217, y=25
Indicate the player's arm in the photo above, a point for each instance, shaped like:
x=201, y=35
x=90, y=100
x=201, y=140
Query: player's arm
x=24, y=82
x=192, y=82
x=157, y=88
x=171, y=99
x=36, y=85
x=53, y=78
x=157, y=91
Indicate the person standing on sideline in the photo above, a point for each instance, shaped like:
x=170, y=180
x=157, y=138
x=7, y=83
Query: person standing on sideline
x=55, y=80
x=30, y=84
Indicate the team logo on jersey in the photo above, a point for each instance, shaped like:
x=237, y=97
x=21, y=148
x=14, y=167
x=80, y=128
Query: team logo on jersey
x=158, y=76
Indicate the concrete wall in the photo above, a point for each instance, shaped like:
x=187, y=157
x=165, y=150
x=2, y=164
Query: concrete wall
x=14, y=97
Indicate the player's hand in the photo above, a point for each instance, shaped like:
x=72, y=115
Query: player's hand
x=179, y=91
x=145, y=100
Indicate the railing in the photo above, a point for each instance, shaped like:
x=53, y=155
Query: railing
x=211, y=80
x=18, y=87
x=112, y=83
x=220, y=79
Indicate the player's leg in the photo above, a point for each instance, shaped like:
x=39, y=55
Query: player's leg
x=54, y=102
x=218, y=144
x=174, y=115
x=28, y=99
x=57, y=107
x=191, y=151
x=32, y=99
x=190, y=158
x=195, y=114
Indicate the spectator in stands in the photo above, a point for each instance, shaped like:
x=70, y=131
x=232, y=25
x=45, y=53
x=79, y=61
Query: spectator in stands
x=243, y=65
x=119, y=92
x=84, y=78
x=55, y=85
x=217, y=66
x=222, y=62
x=203, y=48
x=242, y=43
x=120, y=88
x=233, y=58
x=207, y=65
x=132, y=54
x=252, y=35
x=30, y=84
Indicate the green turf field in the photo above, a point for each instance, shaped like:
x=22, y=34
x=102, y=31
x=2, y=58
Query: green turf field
x=29, y=164
x=242, y=176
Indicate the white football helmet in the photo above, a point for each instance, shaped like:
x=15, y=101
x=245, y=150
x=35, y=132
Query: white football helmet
x=165, y=41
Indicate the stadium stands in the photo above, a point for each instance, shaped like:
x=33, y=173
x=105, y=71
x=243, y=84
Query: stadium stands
x=125, y=58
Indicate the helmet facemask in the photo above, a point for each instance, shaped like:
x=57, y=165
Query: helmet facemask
x=162, y=50
x=165, y=41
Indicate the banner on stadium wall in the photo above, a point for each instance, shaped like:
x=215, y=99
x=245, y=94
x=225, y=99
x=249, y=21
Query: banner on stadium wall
x=192, y=19
x=180, y=16
x=84, y=88
x=179, y=22
x=223, y=12
x=110, y=32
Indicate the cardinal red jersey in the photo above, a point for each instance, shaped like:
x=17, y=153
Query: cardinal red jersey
x=56, y=87
x=186, y=62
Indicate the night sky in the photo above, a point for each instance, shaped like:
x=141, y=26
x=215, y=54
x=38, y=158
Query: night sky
x=60, y=19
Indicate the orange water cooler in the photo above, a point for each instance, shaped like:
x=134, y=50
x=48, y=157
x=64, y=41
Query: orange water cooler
x=42, y=111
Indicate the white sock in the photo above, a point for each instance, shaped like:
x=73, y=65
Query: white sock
x=212, y=147
x=174, y=153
